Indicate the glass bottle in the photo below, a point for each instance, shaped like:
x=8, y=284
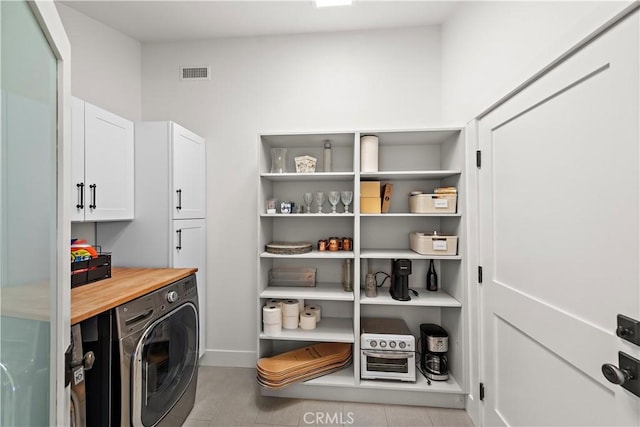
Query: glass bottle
x=347, y=275
x=432, y=277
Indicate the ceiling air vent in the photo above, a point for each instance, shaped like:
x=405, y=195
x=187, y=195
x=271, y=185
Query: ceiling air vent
x=195, y=73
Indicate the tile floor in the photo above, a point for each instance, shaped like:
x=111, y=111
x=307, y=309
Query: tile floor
x=230, y=397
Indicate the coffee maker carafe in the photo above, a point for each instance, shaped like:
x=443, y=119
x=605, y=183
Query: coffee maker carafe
x=400, y=271
x=434, y=344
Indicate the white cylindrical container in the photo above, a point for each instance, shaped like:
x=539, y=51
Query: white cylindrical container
x=315, y=309
x=271, y=314
x=327, y=157
x=290, y=308
x=272, y=328
x=369, y=153
x=307, y=320
x=290, y=322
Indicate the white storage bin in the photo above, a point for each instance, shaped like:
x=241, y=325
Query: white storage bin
x=433, y=244
x=433, y=203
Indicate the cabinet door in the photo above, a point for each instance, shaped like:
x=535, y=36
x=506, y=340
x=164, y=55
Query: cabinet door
x=78, y=188
x=189, y=250
x=188, y=174
x=108, y=165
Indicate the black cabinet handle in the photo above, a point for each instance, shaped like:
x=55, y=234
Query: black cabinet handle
x=80, y=188
x=93, y=196
x=179, y=199
x=179, y=239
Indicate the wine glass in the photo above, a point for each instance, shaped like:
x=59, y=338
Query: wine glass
x=334, y=199
x=308, y=198
x=319, y=200
x=347, y=198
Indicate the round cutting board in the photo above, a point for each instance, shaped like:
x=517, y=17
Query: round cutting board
x=288, y=248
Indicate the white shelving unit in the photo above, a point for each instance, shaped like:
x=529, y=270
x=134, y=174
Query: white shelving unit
x=411, y=160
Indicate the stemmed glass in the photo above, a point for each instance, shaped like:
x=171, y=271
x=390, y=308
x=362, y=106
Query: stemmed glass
x=308, y=198
x=334, y=199
x=319, y=200
x=347, y=198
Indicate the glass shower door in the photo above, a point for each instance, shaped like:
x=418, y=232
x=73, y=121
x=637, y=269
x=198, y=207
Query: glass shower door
x=28, y=216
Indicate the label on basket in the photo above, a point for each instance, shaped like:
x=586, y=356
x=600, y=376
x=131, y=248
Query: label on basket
x=441, y=203
x=439, y=245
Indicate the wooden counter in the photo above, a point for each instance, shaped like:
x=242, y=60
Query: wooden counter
x=124, y=285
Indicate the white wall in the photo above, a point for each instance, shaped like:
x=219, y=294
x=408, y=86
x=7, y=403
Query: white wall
x=490, y=47
x=354, y=80
x=106, y=70
x=105, y=64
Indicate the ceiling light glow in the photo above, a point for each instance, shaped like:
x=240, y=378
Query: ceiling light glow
x=326, y=3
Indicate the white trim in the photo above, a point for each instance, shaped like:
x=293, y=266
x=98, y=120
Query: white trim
x=47, y=16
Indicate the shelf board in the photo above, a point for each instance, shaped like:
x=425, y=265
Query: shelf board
x=424, y=299
x=402, y=253
x=308, y=215
x=329, y=329
x=315, y=176
x=449, y=386
x=322, y=291
x=409, y=175
x=411, y=215
x=313, y=254
x=342, y=378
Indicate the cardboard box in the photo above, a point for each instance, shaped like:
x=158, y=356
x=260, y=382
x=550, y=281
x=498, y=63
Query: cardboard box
x=370, y=189
x=370, y=205
x=386, y=197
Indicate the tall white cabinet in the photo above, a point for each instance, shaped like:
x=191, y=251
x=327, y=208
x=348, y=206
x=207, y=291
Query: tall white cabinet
x=102, y=164
x=169, y=227
x=411, y=160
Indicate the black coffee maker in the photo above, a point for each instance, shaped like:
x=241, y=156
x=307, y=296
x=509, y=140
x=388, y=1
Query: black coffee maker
x=434, y=344
x=400, y=271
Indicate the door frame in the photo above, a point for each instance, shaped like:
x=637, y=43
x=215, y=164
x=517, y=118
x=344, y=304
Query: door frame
x=474, y=405
x=47, y=17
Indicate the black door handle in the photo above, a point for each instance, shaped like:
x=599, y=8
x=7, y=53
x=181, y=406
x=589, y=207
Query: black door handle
x=80, y=188
x=93, y=196
x=179, y=246
x=179, y=192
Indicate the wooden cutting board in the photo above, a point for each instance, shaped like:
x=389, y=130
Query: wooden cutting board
x=305, y=358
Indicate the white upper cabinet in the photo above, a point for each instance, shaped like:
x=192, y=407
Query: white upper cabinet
x=188, y=173
x=102, y=164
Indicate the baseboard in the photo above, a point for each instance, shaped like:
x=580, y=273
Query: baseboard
x=236, y=359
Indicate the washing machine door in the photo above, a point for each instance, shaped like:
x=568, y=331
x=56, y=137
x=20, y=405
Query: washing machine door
x=164, y=364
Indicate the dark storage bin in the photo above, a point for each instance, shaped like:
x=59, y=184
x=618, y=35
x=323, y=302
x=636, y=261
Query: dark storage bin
x=92, y=270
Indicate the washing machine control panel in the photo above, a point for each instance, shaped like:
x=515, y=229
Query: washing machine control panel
x=172, y=296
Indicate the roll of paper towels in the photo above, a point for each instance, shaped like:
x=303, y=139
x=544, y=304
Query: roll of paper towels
x=271, y=314
x=315, y=309
x=290, y=308
x=369, y=153
x=272, y=328
x=290, y=322
x=307, y=320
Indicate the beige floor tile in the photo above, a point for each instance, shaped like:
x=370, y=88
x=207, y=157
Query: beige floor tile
x=366, y=414
x=274, y=410
x=445, y=417
x=407, y=416
x=195, y=423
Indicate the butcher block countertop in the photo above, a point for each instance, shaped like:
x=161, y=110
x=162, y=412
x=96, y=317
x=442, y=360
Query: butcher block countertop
x=124, y=285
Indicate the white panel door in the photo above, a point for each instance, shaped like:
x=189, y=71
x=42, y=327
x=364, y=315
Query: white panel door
x=188, y=174
x=108, y=165
x=559, y=195
x=189, y=251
